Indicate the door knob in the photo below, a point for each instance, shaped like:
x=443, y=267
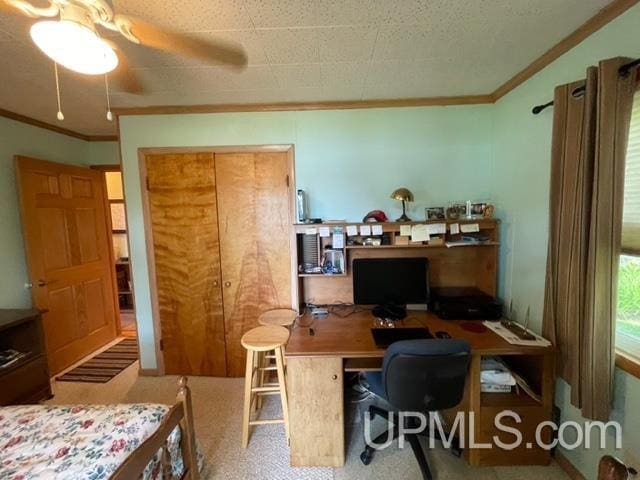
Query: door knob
x=227, y=284
x=44, y=283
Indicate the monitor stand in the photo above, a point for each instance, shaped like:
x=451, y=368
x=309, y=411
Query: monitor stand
x=391, y=311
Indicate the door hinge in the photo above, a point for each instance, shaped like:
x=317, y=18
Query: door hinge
x=161, y=344
x=146, y=181
x=287, y=180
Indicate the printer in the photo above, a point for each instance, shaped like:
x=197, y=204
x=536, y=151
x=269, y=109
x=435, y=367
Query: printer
x=464, y=303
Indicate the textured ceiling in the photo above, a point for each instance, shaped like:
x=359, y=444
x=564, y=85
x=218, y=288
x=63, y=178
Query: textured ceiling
x=302, y=50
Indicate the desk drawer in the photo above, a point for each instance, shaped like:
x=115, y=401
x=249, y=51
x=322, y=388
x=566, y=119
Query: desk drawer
x=22, y=384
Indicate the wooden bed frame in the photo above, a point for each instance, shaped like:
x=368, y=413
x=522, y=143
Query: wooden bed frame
x=181, y=413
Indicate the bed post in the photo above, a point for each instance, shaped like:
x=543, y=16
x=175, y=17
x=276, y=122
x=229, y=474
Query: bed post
x=189, y=449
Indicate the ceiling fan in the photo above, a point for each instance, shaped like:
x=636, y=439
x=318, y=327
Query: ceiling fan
x=67, y=33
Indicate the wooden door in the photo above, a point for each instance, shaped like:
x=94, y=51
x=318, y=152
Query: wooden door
x=184, y=225
x=254, y=210
x=69, y=257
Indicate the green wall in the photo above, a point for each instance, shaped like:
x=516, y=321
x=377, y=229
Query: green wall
x=17, y=138
x=349, y=162
x=102, y=153
x=522, y=143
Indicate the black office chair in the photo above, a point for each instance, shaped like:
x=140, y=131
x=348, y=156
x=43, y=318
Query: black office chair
x=418, y=376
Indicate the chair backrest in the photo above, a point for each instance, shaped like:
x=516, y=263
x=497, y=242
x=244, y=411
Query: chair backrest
x=425, y=375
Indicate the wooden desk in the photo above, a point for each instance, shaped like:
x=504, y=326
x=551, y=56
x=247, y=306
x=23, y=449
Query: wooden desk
x=315, y=370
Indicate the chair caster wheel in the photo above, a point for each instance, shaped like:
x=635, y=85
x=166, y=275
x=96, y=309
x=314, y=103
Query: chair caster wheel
x=366, y=457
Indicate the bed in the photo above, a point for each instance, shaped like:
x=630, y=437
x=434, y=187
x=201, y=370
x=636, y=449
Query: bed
x=95, y=442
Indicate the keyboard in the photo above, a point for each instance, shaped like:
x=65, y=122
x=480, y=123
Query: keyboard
x=383, y=337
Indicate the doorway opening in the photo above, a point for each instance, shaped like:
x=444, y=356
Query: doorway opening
x=114, y=187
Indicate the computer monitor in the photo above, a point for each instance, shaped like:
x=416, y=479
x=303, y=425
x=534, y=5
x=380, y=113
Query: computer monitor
x=396, y=281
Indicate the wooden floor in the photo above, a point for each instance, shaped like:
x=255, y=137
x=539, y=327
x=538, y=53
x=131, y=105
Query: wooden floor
x=128, y=324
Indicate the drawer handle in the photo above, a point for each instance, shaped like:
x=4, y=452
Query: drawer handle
x=215, y=283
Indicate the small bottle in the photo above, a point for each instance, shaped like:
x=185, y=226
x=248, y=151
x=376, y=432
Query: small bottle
x=469, y=213
x=302, y=207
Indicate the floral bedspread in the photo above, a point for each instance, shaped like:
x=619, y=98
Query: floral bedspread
x=79, y=442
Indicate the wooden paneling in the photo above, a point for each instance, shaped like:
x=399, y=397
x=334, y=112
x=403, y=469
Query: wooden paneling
x=317, y=424
x=69, y=257
x=255, y=225
x=184, y=224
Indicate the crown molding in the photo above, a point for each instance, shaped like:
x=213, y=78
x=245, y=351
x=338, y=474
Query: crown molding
x=304, y=106
x=54, y=128
x=595, y=23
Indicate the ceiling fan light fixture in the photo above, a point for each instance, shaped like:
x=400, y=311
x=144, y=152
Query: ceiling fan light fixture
x=74, y=46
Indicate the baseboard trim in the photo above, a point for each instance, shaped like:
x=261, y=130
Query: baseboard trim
x=567, y=466
x=149, y=372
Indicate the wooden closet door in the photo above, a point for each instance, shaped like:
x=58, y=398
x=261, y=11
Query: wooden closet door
x=184, y=224
x=255, y=223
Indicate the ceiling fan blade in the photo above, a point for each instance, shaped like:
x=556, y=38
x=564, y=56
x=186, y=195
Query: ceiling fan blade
x=124, y=78
x=163, y=39
x=6, y=7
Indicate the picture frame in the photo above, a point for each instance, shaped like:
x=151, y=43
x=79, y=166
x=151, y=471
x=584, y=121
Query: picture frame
x=456, y=210
x=434, y=213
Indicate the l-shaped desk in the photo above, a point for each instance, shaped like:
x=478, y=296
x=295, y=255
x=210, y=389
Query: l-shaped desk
x=316, y=364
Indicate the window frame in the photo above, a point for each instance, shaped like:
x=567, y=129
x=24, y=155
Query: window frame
x=625, y=360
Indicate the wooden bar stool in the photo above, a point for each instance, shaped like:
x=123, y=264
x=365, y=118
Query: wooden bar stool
x=257, y=342
x=283, y=317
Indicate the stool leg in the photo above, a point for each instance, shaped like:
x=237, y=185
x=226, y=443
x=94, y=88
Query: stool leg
x=282, y=381
x=263, y=362
x=248, y=383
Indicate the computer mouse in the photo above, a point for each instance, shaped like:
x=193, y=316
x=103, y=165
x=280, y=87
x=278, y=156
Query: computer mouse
x=442, y=335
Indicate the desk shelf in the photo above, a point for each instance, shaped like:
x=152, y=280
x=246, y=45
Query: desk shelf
x=506, y=400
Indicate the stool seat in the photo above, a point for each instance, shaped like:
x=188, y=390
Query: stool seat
x=280, y=316
x=265, y=338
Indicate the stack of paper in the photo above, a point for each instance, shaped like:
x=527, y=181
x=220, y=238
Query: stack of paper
x=495, y=376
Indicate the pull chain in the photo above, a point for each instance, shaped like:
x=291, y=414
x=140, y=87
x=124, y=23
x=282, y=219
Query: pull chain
x=106, y=86
x=59, y=115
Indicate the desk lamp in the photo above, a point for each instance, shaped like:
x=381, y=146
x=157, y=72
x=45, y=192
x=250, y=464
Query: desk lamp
x=404, y=195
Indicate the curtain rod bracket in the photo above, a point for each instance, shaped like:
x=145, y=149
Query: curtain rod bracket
x=623, y=71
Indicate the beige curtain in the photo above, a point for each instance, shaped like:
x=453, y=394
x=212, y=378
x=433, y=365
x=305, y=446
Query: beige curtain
x=590, y=134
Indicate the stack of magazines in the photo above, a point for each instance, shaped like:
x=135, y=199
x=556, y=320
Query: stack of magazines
x=495, y=377
x=9, y=357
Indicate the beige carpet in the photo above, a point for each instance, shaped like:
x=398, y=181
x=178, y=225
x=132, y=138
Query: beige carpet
x=218, y=411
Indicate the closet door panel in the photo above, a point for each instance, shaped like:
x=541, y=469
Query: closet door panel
x=184, y=223
x=255, y=223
